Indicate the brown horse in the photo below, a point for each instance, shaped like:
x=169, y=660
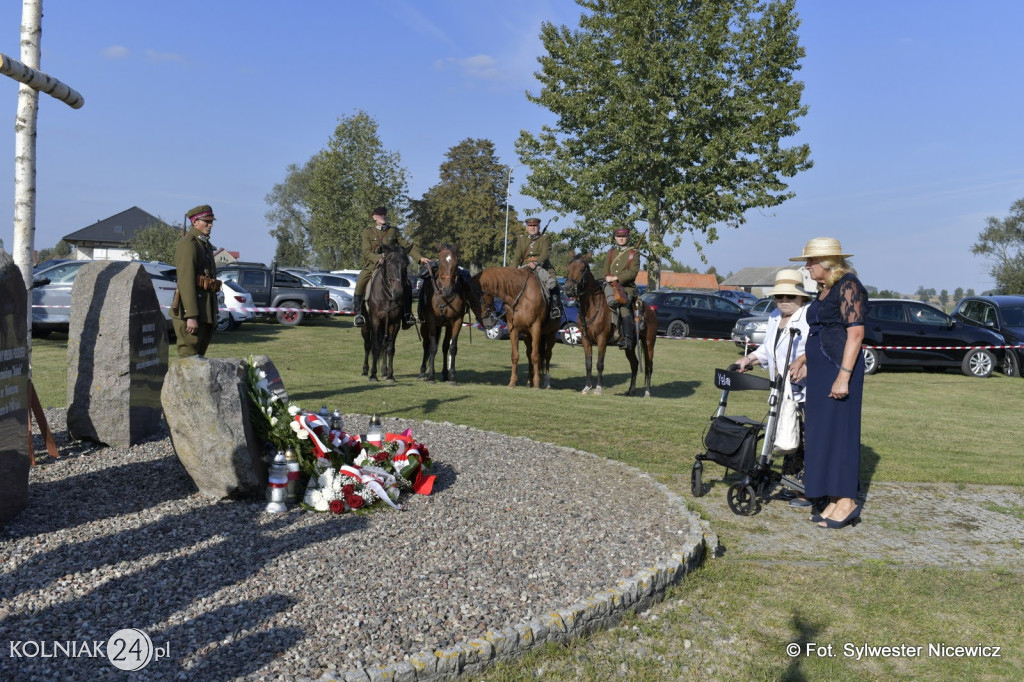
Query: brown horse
x=385, y=304
x=595, y=323
x=443, y=303
x=526, y=313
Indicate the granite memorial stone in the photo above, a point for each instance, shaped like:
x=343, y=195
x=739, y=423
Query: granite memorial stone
x=206, y=404
x=117, y=355
x=14, y=398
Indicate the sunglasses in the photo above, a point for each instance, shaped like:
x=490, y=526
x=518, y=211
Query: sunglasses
x=785, y=297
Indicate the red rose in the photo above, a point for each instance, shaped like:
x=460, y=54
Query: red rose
x=380, y=457
x=337, y=506
x=347, y=489
x=354, y=501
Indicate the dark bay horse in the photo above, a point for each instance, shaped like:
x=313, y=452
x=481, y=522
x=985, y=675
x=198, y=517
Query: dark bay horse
x=595, y=323
x=443, y=305
x=385, y=304
x=526, y=313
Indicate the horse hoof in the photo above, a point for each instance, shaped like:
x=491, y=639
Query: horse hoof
x=453, y=382
x=375, y=379
x=647, y=394
x=597, y=391
x=391, y=380
x=586, y=390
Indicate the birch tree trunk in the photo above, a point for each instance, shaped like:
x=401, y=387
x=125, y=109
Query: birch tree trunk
x=25, y=147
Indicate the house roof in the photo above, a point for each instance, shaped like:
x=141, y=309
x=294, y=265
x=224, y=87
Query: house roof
x=681, y=280
x=755, y=277
x=117, y=229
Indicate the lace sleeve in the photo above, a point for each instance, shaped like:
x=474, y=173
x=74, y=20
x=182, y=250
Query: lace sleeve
x=853, y=306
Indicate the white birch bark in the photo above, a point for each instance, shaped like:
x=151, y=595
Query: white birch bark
x=25, y=147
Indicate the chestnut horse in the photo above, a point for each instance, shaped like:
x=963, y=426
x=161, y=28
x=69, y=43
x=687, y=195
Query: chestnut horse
x=595, y=323
x=443, y=303
x=526, y=313
x=385, y=305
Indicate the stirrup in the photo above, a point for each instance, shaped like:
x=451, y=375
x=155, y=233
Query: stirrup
x=408, y=321
x=359, y=320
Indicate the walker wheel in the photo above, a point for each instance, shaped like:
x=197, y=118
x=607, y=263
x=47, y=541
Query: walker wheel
x=697, y=479
x=742, y=500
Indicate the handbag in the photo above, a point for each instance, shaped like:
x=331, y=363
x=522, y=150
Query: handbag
x=787, y=429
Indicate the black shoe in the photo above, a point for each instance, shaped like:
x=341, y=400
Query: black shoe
x=359, y=320
x=408, y=321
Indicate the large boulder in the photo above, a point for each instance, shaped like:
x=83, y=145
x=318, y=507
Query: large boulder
x=117, y=355
x=206, y=406
x=14, y=397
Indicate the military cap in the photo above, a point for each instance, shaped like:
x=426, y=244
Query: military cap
x=203, y=212
x=533, y=221
x=622, y=232
x=380, y=210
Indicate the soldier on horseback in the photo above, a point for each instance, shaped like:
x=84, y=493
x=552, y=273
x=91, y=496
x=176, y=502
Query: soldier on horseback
x=533, y=251
x=619, y=271
x=376, y=237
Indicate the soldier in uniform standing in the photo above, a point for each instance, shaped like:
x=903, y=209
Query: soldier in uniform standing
x=533, y=250
x=194, y=309
x=376, y=237
x=621, y=267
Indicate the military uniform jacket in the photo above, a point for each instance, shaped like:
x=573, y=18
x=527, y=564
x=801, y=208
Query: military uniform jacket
x=530, y=249
x=193, y=256
x=375, y=239
x=623, y=263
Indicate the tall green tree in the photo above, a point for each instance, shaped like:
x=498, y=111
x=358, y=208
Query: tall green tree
x=1002, y=243
x=61, y=250
x=323, y=205
x=289, y=214
x=669, y=113
x=467, y=206
x=155, y=242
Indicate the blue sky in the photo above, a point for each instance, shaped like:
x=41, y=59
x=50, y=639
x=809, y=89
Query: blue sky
x=914, y=124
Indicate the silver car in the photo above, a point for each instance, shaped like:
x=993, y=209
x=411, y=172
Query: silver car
x=749, y=331
x=338, y=289
x=51, y=293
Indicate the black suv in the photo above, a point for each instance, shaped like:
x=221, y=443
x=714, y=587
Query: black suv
x=696, y=313
x=913, y=333
x=1003, y=315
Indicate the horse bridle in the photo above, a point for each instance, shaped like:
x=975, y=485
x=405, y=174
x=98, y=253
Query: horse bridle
x=443, y=301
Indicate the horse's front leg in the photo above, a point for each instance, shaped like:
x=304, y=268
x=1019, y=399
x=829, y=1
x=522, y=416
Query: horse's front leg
x=389, y=355
x=588, y=363
x=426, y=351
x=513, y=335
x=367, y=347
x=451, y=349
x=376, y=343
x=602, y=346
x=535, y=347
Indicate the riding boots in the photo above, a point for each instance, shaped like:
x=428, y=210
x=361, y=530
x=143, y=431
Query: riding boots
x=626, y=336
x=357, y=305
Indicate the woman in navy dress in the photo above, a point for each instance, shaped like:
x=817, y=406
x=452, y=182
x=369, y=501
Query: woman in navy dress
x=835, y=383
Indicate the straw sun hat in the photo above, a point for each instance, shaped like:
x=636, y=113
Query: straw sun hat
x=822, y=247
x=788, y=282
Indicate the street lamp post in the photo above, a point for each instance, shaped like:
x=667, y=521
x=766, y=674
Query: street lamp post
x=508, y=190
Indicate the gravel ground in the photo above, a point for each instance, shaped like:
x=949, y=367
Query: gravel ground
x=119, y=538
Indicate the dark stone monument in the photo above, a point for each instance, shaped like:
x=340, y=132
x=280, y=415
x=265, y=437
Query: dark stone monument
x=14, y=398
x=117, y=355
x=206, y=404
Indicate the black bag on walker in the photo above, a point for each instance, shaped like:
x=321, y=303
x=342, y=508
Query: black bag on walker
x=732, y=444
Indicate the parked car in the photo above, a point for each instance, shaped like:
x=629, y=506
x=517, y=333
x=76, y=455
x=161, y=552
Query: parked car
x=686, y=313
x=749, y=331
x=236, y=304
x=272, y=288
x=1003, y=315
x=49, y=264
x=52, y=287
x=340, y=300
x=741, y=298
x=910, y=325
x=346, y=283
x=570, y=332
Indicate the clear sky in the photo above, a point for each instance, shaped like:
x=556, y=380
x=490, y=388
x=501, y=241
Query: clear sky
x=914, y=124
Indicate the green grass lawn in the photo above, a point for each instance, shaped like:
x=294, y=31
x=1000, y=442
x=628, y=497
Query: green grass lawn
x=917, y=426
x=735, y=615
